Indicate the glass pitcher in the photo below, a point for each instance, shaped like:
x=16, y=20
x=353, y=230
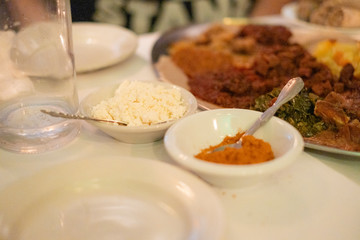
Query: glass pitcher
x=36, y=72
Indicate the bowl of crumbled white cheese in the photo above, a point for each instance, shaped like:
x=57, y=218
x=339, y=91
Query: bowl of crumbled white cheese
x=148, y=108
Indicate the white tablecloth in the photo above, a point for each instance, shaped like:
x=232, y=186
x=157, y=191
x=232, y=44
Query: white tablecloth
x=316, y=198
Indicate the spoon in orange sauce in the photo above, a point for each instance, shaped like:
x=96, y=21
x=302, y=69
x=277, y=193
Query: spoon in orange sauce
x=289, y=91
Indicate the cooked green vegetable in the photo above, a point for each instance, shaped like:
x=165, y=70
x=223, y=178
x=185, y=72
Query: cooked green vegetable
x=299, y=111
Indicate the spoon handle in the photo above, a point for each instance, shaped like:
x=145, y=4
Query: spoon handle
x=81, y=117
x=290, y=90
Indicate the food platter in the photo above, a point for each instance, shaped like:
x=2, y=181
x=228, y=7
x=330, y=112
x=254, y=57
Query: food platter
x=167, y=68
x=164, y=67
x=161, y=45
x=170, y=72
x=100, y=45
x=289, y=11
x=99, y=198
x=331, y=150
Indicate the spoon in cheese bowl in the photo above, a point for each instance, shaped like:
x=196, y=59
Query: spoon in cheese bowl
x=289, y=91
x=81, y=117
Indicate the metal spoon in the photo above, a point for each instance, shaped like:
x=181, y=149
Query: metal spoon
x=290, y=90
x=81, y=117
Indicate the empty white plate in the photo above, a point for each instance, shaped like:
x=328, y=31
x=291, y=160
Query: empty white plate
x=99, y=45
x=111, y=198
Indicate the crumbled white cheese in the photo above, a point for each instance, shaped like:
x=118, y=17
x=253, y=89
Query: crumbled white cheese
x=140, y=103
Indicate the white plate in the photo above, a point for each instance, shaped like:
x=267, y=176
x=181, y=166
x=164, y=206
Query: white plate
x=289, y=11
x=99, y=45
x=332, y=150
x=111, y=198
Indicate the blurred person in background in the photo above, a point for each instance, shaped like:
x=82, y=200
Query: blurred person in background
x=143, y=16
x=82, y=10
x=158, y=15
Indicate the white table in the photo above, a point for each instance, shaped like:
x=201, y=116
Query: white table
x=318, y=197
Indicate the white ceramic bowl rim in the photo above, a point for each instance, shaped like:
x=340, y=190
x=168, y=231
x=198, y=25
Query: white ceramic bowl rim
x=189, y=99
x=235, y=170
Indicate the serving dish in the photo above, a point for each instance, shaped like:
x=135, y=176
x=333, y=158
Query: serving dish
x=100, y=45
x=134, y=134
x=169, y=72
x=110, y=198
x=160, y=47
x=289, y=11
x=208, y=128
x=332, y=150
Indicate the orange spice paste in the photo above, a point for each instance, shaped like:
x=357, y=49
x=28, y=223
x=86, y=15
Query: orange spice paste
x=253, y=150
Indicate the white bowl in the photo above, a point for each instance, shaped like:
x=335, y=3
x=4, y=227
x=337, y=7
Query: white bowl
x=190, y=135
x=111, y=197
x=133, y=134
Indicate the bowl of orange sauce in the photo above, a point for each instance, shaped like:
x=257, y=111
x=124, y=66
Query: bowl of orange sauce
x=273, y=147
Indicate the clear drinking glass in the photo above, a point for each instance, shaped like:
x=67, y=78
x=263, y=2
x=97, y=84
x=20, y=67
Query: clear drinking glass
x=36, y=72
